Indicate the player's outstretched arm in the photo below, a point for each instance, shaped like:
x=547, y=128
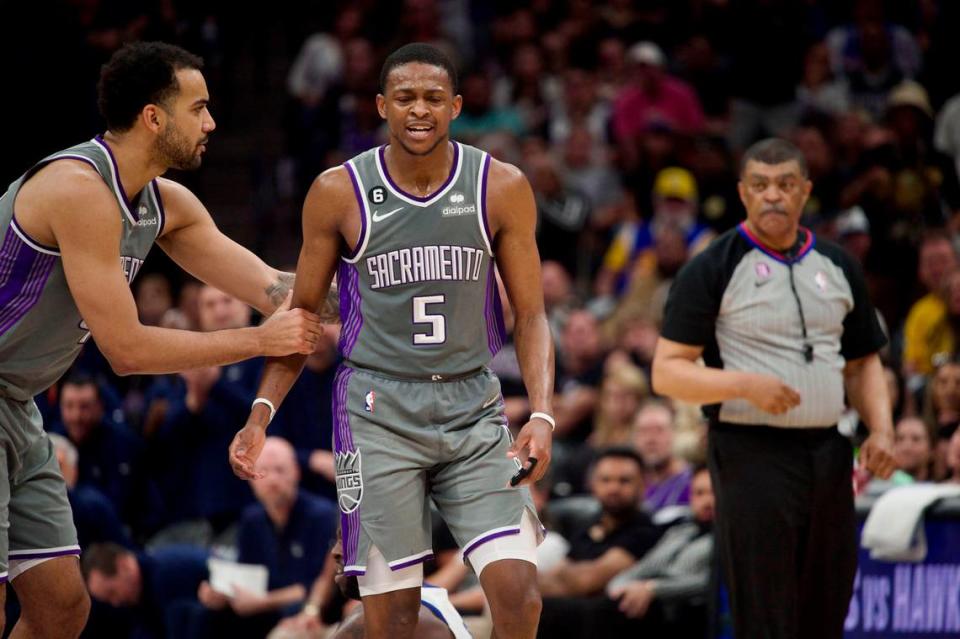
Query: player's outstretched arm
x=512, y=214
x=329, y=201
x=72, y=201
x=191, y=239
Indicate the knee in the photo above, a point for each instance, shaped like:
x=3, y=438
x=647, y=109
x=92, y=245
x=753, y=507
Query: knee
x=66, y=614
x=521, y=598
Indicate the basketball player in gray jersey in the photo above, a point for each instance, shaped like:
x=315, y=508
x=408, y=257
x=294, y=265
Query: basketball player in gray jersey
x=75, y=229
x=413, y=231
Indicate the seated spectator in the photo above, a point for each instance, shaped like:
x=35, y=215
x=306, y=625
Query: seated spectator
x=624, y=387
x=941, y=410
x=94, y=515
x=617, y=537
x=562, y=213
x=665, y=476
x=160, y=586
x=913, y=449
x=479, y=116
x=204, y=413
x=111, y=457
x=924, y=336
x=658, y=594
x=579, y=371
x=953, y=458
x=819, y=90
x=289, y=532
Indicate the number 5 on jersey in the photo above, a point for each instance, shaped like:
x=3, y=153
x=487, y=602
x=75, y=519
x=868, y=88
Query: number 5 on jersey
x=438, y=322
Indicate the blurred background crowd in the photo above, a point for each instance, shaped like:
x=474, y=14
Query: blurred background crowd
x=628, y=117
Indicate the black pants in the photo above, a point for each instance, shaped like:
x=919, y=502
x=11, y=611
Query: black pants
x=786, y=528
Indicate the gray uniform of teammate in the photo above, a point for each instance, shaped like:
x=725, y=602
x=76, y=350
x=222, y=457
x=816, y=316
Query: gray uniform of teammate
x=41, y=333
x=416, y=412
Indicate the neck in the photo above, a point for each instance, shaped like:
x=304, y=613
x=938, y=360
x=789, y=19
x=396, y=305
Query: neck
x=279, y=513
x=656, y=474
x=611, y=521
x=419, y=174
x=135, y=164
x=780, y=243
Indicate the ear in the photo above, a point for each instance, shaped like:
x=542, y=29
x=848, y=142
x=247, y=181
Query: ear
x=382, y=106
x=457, y=105
x=742, y=191
x=152, y=117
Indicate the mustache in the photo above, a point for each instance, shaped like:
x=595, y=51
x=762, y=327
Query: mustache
x=773, y=209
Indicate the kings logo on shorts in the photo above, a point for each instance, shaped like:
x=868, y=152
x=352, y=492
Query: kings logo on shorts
x=349, y=480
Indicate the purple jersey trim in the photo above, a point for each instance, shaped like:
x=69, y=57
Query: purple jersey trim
x=343, y=442
x=43, y=554
x=393, y=185
x=493, y=314
x=754, y=241
x=352, y=253
x=53, y=249
x=500, y=533
x=354, y=573
x=412, y=562
x=483, y=198
x=160, y=210
x=351, y=314
x=23, y=274
x=116, y=174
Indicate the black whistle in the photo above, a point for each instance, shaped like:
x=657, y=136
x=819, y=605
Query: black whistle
x=808, y=352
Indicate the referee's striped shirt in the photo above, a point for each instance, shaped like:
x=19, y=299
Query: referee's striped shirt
x=736, y=301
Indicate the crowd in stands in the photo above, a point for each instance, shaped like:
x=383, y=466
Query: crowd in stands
x=628, y=118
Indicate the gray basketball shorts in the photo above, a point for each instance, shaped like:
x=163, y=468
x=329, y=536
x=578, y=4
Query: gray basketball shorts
x=35, y=517
x=398, y=443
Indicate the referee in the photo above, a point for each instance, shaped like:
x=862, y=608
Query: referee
x=784, y=325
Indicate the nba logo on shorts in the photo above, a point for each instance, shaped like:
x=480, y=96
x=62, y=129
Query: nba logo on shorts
x=369, y=401
x=349, y=481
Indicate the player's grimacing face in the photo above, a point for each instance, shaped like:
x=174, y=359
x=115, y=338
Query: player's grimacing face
x=183, y=138
x=418, y=105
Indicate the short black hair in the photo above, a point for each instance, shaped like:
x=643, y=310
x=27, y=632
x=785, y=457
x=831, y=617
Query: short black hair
x=418, y=52
x=617, y=452
x=81, y=379
x=774, y=151
x=139, y=74
x=103, y=558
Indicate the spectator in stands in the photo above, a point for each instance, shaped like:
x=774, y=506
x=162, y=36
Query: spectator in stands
x=562, y=214
x=479, y=116
x=666, y=590
x=289, y=531
x=94, y=515
x=159, y=586
x=953, y=458
x=924, y=333
x=579, y=106
x=579, y=371
x=947, y=132
x=913, y=448
x=941, y=410
x=154, y=298
x=620, y=534
x=666, y=477
x=820, y=91
x=623, y=389
x=111, y=457
x=195, y=477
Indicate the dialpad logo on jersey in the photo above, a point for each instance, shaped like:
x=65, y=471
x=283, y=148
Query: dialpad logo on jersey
x=459, y=208
x=369, y=401
x=349, y=481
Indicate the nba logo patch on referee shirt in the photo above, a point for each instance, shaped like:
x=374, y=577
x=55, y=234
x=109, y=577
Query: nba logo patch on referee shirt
x=369, y=401
x=821, y=280
x=762, y=269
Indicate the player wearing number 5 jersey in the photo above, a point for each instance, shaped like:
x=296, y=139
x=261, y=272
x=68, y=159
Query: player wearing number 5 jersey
x=415, y=232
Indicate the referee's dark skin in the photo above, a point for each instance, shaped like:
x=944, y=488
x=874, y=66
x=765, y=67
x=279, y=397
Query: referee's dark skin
x=785, y=527
x=774, y=197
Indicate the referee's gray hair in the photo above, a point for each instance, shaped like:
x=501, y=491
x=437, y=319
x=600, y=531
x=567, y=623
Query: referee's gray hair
x=61, y=443
x=774, y=151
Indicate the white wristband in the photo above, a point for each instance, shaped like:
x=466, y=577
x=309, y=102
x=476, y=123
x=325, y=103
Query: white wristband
x=266, y=402
x=547, y=418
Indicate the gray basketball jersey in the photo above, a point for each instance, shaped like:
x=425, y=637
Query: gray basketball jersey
x=418, y=293
x=41, y=330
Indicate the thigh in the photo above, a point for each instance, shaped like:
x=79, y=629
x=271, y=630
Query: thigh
x=470, y=487
x=381, y=455
x=762, y=494
x=41, y=521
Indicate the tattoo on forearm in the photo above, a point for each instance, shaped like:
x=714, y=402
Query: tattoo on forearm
x=277, y=292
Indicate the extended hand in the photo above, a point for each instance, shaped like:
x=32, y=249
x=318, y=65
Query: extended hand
x=535, y=440
x=245, y=449
x=290, y=331
x=635, y=598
